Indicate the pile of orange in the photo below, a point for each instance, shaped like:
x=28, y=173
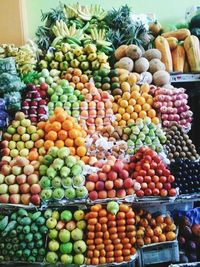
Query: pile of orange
x=134, y=105
x=62, y=130
x=110, y=238
x=76, y=78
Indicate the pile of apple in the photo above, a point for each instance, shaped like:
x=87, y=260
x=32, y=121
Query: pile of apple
x=96, y=110
x=19, y=181
x=150, y=174
x=49, y=77
x=61, y=176
x=172, y=106
x=34, y=104
x=65, y=237
x=110, y=234
x=144, y=133
x=153, y=228
x=22, y=139
x=111, y=181
x=23, y=236
x=63, y=95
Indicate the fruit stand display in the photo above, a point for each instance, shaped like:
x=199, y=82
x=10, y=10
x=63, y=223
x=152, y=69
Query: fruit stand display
x=95, y=150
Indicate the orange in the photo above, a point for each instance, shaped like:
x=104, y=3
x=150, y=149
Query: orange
x=79, y=141
x=115, y=123
x=58, y=110
x=75, y=79
x=52, y=135
x=48, y=144
x=47, y=127
x=33, y=155
x=115, y=107
x=151, y=113
x=72, y=150
x=118, y=117
x=126, y=96
x=59, y=143
x=130, y=121
x=145, y=95
x=121, y=110
x=72, y=84
x=135, y=95
x=129, y=109
x=125, y=86
x=73, y=133
x=77, y=72
x=146, y=107
x=122, y=123
x=84, y=78
x=126, y=116
x=150, y=101
x=142, y=114
x=39, y=143
x=137, y=108
x=132, y=78
x=132, y=102
x=52, y=118
x=56, y=126
x=123, y=103
x=61, y=117
x=85, y=159
x=80, y=86
x=67, y=125
x=69, y=142
x=134, y=116
x=62, y=135
x=141, y=100
x=41, y=125
x=156, y=120
x=81, y=151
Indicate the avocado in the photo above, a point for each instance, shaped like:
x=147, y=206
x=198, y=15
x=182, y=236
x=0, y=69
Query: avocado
x=7, y=239
x=23, y=245
x=31, y=245
x=2, y=245
x=42, y=251
x=28, y=237
x=11, y=253
x=1, y=258
x=15, y=247
x=34, y=228
x=31, y=259
x=26, y=229
x=7, y=258
x=40, y=221
x=43, y=229
x=15, y=240
x=13, y=233
x=37, y=236
x=26, y=253
x=34, y=252
x=25, y=221
x=19, y=229
x=13, y=217
x=22, y=213
x=39, y=243
x=19, y=253
x=40, y=258
x=4, y=252
x=21, y=237
x=8, y=246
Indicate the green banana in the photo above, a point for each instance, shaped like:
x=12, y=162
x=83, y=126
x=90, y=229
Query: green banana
x=9, y=227
x=3, y=223
x=72, y=40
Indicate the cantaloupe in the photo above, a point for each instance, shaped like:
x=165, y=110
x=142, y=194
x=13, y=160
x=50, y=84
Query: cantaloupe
x=141, y=65
x=156, y=64
x=161, y=77
x=125, y=63
x=152, y=53
x=133, y=51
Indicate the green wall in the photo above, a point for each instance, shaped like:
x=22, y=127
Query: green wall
x=168, y=11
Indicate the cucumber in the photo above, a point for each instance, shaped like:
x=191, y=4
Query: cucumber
x=3, y=223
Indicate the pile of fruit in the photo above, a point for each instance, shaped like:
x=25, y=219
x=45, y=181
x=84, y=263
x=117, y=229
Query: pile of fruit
x=65, y=237
x=63, y=95
x=61, y=176
x=111, y=181
x=151, y=176
x=23, y=236
x=187, y=175
x=110, y=234
x=34, y=103
x=144, y=133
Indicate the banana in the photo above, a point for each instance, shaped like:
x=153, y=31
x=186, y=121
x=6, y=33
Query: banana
x=72, y=29
x=3, y=223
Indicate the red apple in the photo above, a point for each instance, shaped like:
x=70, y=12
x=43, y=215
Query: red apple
x=90, y=186
x=118, y=183
x=102, y=194
x=156, y=192
x=25, y=199
x=163, y=192
x=148, y=192
x=166, y=172
x=159, y=172
x=153, y=165
x=112, y=175
x=106, y=168
x=118, y=166
x=93, y=177
x=99, y=185
x=24, y=188
x=44, y=86
x=144, y=185
x=128, y=183
x=35, y=189
x=21, y=179
x=130, y=191
x=170, y=179
x=140, y=193
x=102, y=176
x=35, y=199
x=140, y=179
x=4, y=144
x=32, y=179
x=147, y=179
x=146, y=166
x=172, y=192
x=109, y=185
x=151, y=172
x=111, y=193
x=147, y=158
x=4, y=198
x=124, y=174
x=155, y=179
x=15, y=198
x=132, y=166
x=5, y=152
x=163, y=179
x=142, y=173
x=151, y=185
x=6, y=169
x=93, y=195
x=167, y=186
x=121, y=193
x=159, y=185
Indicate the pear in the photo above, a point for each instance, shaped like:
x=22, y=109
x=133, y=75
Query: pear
x=64, y=172
x=113, y=207
x=135, y=130
x=53, y=151
x=63, y=152
x=70, y=161
x=51, y=172
x=58, y=164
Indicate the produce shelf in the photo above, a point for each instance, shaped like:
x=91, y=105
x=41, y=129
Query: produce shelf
x=185, y=77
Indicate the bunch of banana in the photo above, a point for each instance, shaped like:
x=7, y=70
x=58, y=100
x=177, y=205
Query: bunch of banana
x=61, y=31
x=71, y=11
x=98, y=12
x=99, y=36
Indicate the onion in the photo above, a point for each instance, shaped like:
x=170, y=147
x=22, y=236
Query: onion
x=164, y=117
x=170, y=117
x=170, y=110
x=176, y=117
x=177, y=103
x=166, y=123
x=163, y=109
x=170, y=104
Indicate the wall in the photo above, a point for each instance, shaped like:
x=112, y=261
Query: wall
x=170, y=11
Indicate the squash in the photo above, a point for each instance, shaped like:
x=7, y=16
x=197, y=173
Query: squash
x=180, y=34
x=191, y=45
x=120, y=52
x=162, y=45
x=141, y=65
x=186, y=68
x=178, y=58
x=173, y=42
x=152, y=53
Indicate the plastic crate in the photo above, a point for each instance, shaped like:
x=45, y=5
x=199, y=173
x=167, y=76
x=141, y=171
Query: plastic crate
x=192, y=264
x=159, y=253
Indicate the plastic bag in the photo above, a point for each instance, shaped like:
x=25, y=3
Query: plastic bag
x=13, y=101
x=8, y=65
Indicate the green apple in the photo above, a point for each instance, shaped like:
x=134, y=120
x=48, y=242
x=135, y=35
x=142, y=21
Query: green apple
x=25, y=137
x=56, y=182
x=69, y=90
x=12, y=144
x=66, y=259
x=50, y=91
x=20, y=145
x=15, y=123
x=51, y=223
x=70, y=161
x=58, y=164
x=79, y=215
x=72, y=99
x=29, y=144
x=59, y=90
x=64, y=235
x=58, y=193
x=80, y=246
x=21, y=130
x=64, y=172
x=51, y=172
x=53, y=245
x=47, y=213
x=11, y=130
x=63, y=152
x=76, y=170
x=63, y=83
x=79, y=259
x=43, y=169
x=16, y=137
x=45, y=182
x=70, y=193
x=2, y=178
x=53, y=151
x=67, y=182
x=52, y=257
x=55, y=214
x=31, y=129
x=47, y=160
x=75, y=113
x=81, y=192
x=54, y=98
x=24, y=152
x=77, y=234
x=59, y=104
x=53, y=234
x=63, y=98
x=25, y=123
x=78, y=180
x=35, y=137
x=14, y=153
x=45, y=73
x=3, y=188
x=66, y=248
x=81, y=224
x=66, y=215
x=46, y=194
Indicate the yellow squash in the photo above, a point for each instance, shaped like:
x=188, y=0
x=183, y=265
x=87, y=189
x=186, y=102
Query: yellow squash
x=180, y=34
x=191, y=45
x=178, y=58
x=173, y=42
x=162, y=45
